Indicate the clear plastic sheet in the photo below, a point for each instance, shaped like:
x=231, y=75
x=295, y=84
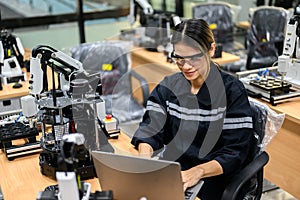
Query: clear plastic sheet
x=268, y=123
x=112, y=59
x=266, y=36
x=220, y=16
x=94, y=55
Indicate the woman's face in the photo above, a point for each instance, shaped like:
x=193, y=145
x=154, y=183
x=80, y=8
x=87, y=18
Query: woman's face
x=193, y=63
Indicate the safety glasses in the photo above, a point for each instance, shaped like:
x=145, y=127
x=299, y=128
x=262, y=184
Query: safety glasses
x=191, y=60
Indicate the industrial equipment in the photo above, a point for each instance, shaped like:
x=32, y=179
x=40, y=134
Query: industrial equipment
x=70, y=186
x=280, y=83
x=72, y=104
x=155, y=27
x=11, y=58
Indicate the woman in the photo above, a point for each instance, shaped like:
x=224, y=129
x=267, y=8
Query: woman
x=200, y=116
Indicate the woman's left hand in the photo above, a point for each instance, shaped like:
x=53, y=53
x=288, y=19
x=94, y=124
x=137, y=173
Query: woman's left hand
x=191, y=176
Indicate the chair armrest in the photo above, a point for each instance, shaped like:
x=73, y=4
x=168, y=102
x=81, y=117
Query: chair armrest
x=233, y=188
x=144, y=86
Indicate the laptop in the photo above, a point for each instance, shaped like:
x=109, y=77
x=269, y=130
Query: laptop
x=138, y=178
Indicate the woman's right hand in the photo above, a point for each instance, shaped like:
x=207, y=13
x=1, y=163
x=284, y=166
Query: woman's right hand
x=145, y=150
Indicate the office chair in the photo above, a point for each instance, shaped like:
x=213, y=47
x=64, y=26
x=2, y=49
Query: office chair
x=113, y=61
x=266, y=36
x=248, y=183
x=264, y=40
x=220, y=16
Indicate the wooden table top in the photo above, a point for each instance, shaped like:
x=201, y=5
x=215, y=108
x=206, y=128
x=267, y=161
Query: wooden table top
x=243, y=24
x=21, y=178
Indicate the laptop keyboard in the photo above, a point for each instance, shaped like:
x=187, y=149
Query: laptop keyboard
x=188, y=195
x=191, y=193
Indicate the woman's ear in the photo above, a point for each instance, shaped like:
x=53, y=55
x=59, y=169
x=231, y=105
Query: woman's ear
x=212, y=49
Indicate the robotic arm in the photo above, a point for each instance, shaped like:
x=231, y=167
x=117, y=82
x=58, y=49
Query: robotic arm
x=145, y=6
x=11, y=46
x=75, y=106
x=70, y=186
x=291, y=40
x=142, y=4
x=291, y=48
x=43, y=56
x=11, y=58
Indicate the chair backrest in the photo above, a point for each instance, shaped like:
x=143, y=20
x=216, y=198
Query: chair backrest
x=248, y=183
x=109, y=58
x=260, y=115
x=220, y=17
x=266, y=36
x=112, y=59
x=267, y=123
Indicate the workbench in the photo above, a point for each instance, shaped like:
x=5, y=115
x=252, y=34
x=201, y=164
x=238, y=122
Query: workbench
x=22, y=179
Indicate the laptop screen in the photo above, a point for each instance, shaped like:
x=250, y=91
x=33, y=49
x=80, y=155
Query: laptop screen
x=137, y=178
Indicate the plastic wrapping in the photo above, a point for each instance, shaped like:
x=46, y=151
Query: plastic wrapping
x=267, y=123
x=266, y=36
x=112, y=59
x=219, y=16
x=94, y=55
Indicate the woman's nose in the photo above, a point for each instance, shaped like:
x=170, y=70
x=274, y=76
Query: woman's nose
x=187, y=65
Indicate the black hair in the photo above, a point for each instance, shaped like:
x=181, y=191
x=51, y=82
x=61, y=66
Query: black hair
x=195, y=33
